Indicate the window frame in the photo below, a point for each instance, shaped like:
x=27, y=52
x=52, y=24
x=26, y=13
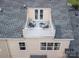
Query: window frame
x=41, y=13
x=46, y=46
x=50, y=46
x=43, y=47
x=36, y=14
x=57, y=47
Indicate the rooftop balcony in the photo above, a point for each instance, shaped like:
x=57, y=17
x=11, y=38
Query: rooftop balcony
x=38, y=29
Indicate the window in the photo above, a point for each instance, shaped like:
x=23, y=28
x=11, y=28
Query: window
x=46, y=46
x=36, y=14
x=50, y=46
x=43, y=46
x=56, y=46
x=41, y=14
x=22, y=45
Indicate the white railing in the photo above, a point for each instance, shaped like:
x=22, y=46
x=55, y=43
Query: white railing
x=38, y=24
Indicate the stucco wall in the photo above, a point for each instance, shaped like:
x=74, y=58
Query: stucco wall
x=33, y=47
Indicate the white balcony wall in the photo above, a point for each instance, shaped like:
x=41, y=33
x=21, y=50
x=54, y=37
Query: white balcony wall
x=36, y=32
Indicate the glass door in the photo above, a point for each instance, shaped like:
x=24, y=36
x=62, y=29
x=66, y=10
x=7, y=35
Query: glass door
x=38, y=16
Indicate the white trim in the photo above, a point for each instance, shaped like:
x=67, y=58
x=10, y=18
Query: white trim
x=35, y=38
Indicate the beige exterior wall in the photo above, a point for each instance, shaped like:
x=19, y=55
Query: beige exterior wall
x=33, y=48
x=4, y=52
x=30, y=14
x=46, y=14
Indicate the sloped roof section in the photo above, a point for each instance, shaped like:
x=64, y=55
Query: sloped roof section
x=13, y=17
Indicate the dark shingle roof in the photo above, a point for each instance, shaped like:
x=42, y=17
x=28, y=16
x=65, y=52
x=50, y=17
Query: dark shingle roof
x=13, y=17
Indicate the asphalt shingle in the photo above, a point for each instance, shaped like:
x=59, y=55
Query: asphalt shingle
x=12, y=19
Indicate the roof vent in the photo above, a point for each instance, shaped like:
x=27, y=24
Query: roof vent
x=1, y=10
x=24, y=6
